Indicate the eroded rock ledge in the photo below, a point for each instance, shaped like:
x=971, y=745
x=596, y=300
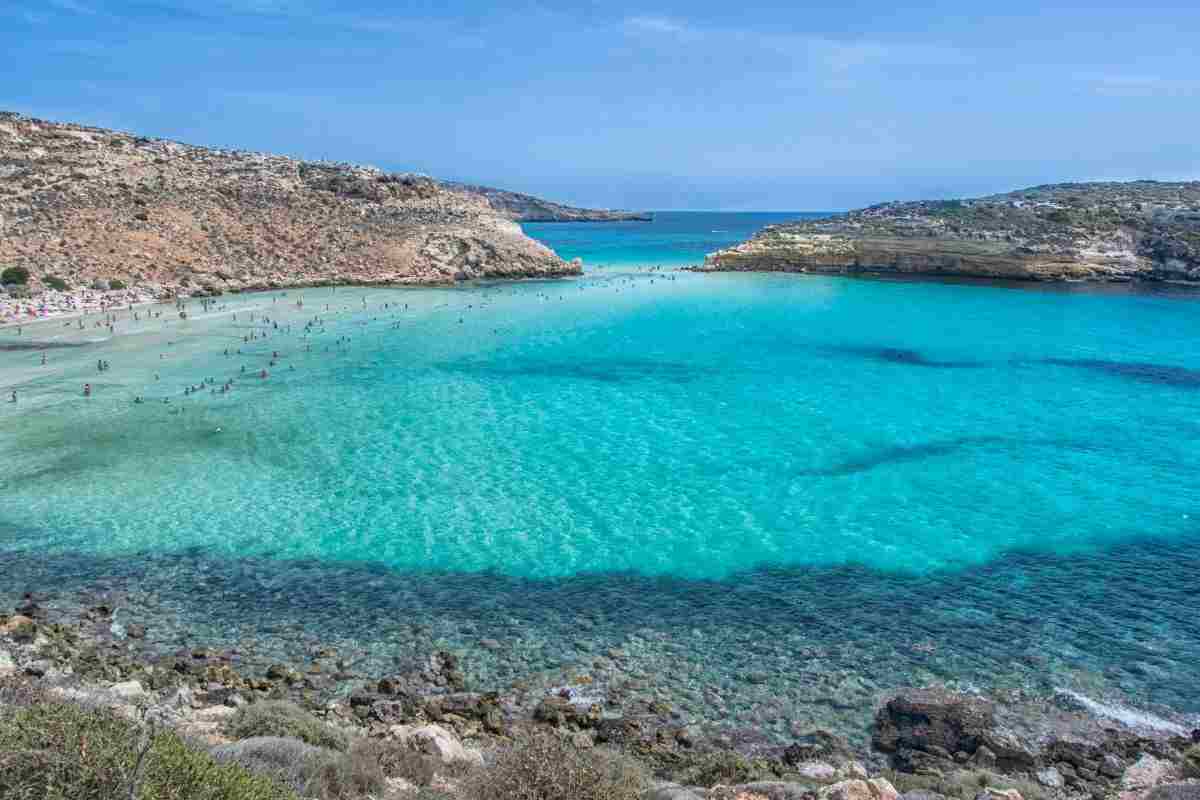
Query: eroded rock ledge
x=85, y=206
x=1142, y=230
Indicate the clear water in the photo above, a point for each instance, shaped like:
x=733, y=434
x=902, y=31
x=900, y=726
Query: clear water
x=772, y=497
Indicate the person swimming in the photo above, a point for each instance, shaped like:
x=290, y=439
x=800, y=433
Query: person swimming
x=87, y=390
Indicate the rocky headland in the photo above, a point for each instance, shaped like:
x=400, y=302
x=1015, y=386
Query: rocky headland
x=927, y=743
x=527, y=208
x=1142, y=230
x=103, y=210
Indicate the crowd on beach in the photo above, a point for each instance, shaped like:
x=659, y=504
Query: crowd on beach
x=51, y=303
x=262, y=326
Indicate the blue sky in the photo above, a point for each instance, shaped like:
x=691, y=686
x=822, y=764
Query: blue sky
x=682, y=105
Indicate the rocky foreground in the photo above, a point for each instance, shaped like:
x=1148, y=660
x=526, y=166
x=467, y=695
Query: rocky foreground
x=85, y=207
x=925, y=744
x=527, y=208
x=1143, y=230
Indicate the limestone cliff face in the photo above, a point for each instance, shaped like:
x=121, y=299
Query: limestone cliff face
x=1142, y=230
x=86, y=204
x=527, y=208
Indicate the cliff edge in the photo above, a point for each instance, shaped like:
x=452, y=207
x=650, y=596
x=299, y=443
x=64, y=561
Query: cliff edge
x=88, y=206
x=527, y=208
x=1142, y=230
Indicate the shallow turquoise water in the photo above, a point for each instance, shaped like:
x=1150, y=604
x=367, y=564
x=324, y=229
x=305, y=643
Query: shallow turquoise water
x=787, y=492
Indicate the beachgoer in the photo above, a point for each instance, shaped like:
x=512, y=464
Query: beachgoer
x=87, y=390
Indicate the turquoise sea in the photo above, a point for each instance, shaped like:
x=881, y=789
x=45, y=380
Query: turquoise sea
x=763, y=499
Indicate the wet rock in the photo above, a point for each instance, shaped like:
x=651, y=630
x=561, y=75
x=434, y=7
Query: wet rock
x=135, y=631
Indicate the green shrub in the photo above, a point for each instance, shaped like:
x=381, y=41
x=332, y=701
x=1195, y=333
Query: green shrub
x=721, y=767
x=1190, y=766
x=284, y=719
x=549, y=768
x=56, y=283
x=315, y=772
x=14, y=276
x=54, y=750
x=115, y=284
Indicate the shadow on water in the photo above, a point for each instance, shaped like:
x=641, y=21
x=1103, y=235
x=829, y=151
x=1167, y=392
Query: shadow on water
x=1145, y=372
x=901, y=454
x=900, y=355
x=1142, y=371
x=607, y=370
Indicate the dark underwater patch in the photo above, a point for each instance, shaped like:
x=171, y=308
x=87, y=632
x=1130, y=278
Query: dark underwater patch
x=905, y=356
x=608, y=370
x=901, y=454
x=1143, y=371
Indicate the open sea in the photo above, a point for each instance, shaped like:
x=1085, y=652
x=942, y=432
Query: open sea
x=766, y=500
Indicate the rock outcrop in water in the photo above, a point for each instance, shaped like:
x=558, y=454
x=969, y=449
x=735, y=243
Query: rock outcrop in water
x=527, y=208
x=88, y=206
x=1143, y=230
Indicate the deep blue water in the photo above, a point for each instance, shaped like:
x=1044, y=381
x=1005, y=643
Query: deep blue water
x=674, y=238
x=773, y=497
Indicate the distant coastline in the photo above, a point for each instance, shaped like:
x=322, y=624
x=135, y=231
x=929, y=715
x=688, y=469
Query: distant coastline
x=1136, y=231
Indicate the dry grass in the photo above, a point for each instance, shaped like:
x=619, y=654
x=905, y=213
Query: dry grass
x=549, y=768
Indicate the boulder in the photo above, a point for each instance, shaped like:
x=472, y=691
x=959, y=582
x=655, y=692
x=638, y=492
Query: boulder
x=128, y=690
x=922, y=719
x=1051, y=778
x=817, y=771
x=434, y=740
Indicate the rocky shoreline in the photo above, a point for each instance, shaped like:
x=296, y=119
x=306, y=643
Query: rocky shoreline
x=92, y=210
x=1143, y=230
x=925, y=743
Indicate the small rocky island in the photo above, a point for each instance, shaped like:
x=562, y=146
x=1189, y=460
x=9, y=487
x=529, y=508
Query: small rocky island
x=1142, y=230
x=84, y=207
x=527, y=208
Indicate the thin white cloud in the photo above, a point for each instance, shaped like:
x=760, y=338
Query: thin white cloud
x=656, y=25
x=73, y=6
x=837, y=56
x=1142, y=85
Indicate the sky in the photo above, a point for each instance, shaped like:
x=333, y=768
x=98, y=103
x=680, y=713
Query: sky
x=664, y=104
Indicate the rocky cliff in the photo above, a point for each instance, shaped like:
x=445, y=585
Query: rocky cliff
x=527, y=208
x=91, y=206
x=1143, y=230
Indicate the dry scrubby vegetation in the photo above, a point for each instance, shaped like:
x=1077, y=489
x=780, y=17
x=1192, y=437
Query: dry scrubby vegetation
x=51, y=749
x=549, y=768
